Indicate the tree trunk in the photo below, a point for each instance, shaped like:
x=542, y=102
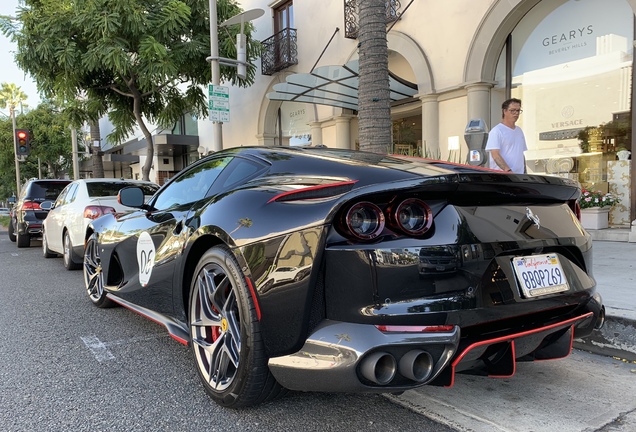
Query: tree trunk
x=374, y=102
x=96, y=150
x=150, y=148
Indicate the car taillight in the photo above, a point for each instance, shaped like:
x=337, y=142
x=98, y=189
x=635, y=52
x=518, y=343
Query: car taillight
x=365, y=221
x=576, y=208
x=412, y=216
x=93, y=212
x=30, y=205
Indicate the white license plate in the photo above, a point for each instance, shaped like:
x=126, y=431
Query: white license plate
x=540, y=275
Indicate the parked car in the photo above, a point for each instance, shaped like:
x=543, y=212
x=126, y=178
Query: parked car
x=199, y=256
x=27, y=214
x=79, y=203
x=4, y=211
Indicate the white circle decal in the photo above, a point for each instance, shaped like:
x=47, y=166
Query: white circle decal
x=145, y=257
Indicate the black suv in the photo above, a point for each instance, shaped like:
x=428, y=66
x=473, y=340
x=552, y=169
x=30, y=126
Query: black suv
x=26, y=215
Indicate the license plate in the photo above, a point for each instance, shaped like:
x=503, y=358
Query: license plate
x=540, y=275
x=440, y=268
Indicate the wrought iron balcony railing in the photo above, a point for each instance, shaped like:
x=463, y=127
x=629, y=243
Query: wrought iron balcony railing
x=351, y=16
x=279, y=52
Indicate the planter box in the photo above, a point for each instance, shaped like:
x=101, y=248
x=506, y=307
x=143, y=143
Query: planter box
x=595, y=218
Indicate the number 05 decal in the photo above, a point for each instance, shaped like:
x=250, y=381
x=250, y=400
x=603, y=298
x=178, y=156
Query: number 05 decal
x=145, y=257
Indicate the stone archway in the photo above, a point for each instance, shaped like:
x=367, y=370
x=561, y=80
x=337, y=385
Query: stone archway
x=396, y=41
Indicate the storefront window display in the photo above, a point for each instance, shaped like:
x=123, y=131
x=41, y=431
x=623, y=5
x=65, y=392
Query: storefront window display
x=571, y=65
x=407, y=134
x=293, y=125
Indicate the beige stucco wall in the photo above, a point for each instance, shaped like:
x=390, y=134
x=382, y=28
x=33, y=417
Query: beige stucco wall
x=449, y=46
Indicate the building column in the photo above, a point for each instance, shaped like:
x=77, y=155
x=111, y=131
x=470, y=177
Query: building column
x=316, y=132
x=266, y=139
x=430, y=126
x=478, y=102
x=343, y=132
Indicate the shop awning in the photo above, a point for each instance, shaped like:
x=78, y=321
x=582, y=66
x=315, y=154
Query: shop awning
x=334, y=86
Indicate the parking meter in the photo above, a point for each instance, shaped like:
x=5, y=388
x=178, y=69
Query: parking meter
x=476, y=135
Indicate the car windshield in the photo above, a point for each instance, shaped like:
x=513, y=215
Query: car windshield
x=103, y=189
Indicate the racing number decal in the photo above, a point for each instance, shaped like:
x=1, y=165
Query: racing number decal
x=145, y=257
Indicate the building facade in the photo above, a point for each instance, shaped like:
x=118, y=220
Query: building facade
x=569, y=61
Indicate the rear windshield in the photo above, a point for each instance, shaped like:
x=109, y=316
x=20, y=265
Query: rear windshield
x=45, y=190
x=97, y=189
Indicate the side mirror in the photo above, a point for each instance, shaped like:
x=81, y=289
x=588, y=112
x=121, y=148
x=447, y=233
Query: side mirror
x=47, y=205
x=131, y=196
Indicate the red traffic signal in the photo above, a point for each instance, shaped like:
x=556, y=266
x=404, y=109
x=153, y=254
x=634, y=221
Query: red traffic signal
x=22, y=139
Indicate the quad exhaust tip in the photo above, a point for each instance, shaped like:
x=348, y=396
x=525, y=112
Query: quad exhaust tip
x=381, y=367
x=601, y=319
x=416, y=365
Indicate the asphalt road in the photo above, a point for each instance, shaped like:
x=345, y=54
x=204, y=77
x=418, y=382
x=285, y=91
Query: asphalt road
x=68, y=366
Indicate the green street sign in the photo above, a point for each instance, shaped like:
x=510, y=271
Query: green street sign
x=219, y=103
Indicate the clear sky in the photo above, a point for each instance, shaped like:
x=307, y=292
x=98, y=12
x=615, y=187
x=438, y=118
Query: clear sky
x=9, y=71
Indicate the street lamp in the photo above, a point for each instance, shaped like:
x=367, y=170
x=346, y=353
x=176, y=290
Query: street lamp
x=215, y=61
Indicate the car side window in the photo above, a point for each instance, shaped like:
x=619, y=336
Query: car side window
x=72, y=193
x=192, y=185
x=60, y=199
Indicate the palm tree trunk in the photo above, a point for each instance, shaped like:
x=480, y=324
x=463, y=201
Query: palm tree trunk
x=374, y=102
x=96, y=150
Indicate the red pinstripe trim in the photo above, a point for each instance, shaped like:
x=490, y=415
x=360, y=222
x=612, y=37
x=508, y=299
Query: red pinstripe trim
x=253, y=293
x=310, y=188
x=175, y=337
x=510, y=338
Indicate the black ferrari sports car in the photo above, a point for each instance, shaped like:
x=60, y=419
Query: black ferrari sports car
x=319, y=269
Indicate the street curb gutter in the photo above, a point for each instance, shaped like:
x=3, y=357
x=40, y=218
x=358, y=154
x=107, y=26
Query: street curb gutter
x=617, y=338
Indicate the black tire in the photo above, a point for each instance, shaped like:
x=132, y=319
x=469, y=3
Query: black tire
x=11, y=231
x=225, y=334
x=22, y=240
x=69, y=261
x=93, y=276
x=46, y=252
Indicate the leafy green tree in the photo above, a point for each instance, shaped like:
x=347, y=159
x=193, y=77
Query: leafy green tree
x=11, y=98
x=137, y=60
x=50, y=139
x=51, y=152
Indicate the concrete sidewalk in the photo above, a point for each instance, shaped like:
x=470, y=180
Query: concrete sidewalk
x=614, y=269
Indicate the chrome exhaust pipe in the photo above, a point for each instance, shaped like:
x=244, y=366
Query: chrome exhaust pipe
x=601, y=319
x=416, y=365
x=379, y=367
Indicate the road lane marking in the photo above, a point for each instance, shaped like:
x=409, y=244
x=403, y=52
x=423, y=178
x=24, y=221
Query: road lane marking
x=98, y=348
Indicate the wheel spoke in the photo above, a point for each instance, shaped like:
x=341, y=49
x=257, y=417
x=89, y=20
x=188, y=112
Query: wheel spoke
x=215, y=327
x=207, y=316
x=92, y=271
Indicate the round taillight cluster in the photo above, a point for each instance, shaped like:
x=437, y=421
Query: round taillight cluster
x=413, y=217
x=366, y=221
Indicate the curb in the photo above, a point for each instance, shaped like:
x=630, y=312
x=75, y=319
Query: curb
x=617, y=338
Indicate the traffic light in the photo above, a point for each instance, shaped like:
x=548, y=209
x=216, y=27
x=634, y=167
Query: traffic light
x=23, y=144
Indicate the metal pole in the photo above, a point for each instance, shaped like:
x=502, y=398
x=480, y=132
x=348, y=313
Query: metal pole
x=75, y=161
x=217, y=133
x=15, y=152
